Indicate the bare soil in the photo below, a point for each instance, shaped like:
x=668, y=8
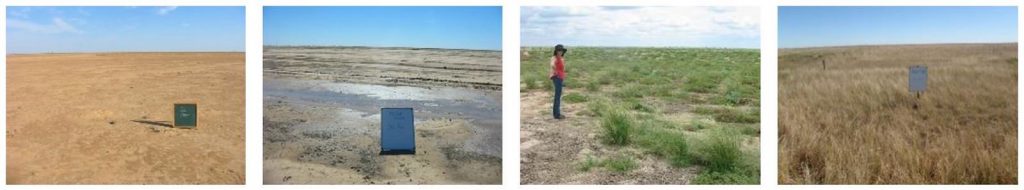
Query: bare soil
x=103, y=118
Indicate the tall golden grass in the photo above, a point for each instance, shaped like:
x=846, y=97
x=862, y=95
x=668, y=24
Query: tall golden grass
x=853, y=121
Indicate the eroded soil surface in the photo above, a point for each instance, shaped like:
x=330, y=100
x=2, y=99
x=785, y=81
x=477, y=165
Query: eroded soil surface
x=322, y=115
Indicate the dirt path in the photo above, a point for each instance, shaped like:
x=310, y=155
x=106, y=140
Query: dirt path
x=71, y=118
x=552, y=150
x=321, y=123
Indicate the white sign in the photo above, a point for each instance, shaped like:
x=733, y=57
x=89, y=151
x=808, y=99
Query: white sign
x=918, y=78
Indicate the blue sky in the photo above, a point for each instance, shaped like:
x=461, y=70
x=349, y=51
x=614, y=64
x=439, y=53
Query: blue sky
x=424, y=27
x=124, y=29
x=726, y=26
x=838, y=26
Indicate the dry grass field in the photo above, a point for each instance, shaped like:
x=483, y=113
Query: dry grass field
x=853, y=120
x=103, y=118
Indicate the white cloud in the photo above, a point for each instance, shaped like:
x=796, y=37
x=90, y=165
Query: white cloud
x=165, y=10
x=56, y=26
x=640, y=26
x=64, y=26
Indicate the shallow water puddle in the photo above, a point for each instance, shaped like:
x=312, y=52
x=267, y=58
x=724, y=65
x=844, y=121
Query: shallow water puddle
x=428, y=103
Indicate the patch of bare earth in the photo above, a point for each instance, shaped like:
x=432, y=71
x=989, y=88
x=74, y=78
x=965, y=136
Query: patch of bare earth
x=103, y=118
x=553, y=150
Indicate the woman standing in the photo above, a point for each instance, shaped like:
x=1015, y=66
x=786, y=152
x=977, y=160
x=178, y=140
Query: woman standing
x=557, y=76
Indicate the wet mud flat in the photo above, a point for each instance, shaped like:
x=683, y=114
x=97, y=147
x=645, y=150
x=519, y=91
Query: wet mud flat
x=322, y=124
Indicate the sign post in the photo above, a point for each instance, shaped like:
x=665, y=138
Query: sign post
x=397, y=131
x=185, y=115
x=918, y=81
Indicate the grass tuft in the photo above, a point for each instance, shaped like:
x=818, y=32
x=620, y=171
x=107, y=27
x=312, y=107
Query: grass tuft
x=722, y=151
x=696, y=125
x=588, y=163
x=574, y=98
x=730, y=115
x=725, y=162
x=640, y=106
x=672, y=146
x=710, y=178
x=620, y=164
x=617, y=126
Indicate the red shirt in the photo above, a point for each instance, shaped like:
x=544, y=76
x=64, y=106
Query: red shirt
x=559, y=67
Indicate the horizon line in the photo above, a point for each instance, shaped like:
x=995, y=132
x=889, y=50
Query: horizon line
x=381, y=47
x=706, y=47
x=898, y=44
x=99, y=52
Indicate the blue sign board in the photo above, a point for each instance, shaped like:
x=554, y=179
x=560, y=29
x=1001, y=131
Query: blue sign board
x=185, y=115
x=918, y=78
x=397, y=131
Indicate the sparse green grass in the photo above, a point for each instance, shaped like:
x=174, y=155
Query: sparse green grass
x=697, y=124
x=702, y=82
x=598, y=107
x=752, y=130
x=670, y=145
x=724, y=160
x=640, y=106
x=593, y=86
x=658, y=72
x=589, y=163
x=730, y=115
x=721, y=150
x=630, y=92
x=620, y=163
x=529, y=84
x=617, y=126
x=574, y=98
x=708, y=177
x=730, y=98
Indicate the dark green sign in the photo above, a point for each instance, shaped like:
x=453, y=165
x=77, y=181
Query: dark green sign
x=185, y=115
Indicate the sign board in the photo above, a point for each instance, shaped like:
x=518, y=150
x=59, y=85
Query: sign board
x=185, y=115
x=397, y=131
x=918, y=78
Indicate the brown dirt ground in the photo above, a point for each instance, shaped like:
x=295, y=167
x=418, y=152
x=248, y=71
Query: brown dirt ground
x=70, y=118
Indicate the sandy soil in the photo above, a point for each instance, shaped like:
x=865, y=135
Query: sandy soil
x=551, y=150
x=100, y=118
x=321, y=107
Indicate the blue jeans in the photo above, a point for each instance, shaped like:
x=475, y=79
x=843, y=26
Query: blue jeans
x=556, y=109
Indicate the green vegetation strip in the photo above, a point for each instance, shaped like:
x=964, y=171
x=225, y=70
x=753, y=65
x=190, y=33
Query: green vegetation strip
x=626, y=89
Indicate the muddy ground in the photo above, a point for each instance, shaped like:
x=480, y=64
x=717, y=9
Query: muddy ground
x=103, y=118
x=322, y=121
